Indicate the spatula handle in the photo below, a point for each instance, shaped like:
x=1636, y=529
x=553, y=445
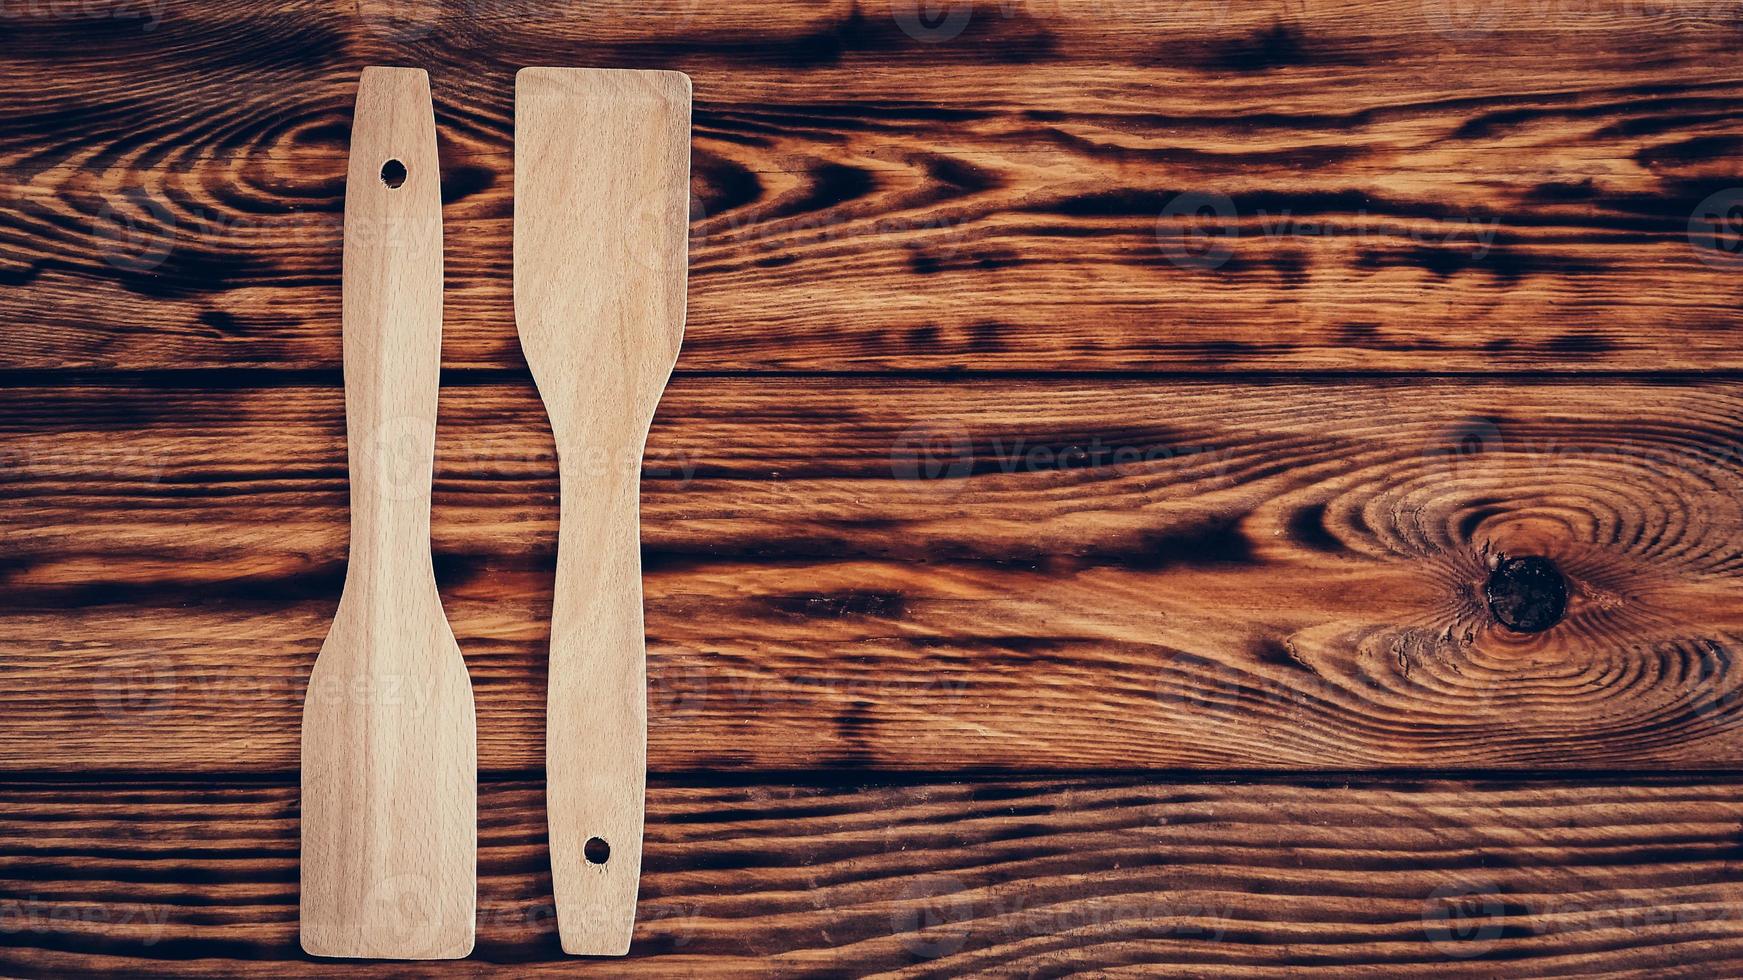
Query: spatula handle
x=393, y=321
x=596, y=759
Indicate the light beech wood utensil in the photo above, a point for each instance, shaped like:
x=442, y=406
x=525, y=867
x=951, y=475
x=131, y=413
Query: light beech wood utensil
x=601, y=215
x=389, y=747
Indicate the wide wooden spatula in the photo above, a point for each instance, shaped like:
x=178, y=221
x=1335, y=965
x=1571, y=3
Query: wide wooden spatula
x=601, y=211
x=390, y=758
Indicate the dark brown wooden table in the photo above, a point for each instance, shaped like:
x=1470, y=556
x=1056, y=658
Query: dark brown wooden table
x=1195, y=487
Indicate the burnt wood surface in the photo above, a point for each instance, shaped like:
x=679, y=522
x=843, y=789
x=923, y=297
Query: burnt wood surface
x=1194, y=487
x=917, y=574
x=1019, y=877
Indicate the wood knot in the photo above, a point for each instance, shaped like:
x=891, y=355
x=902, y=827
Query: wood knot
x=1526, y=594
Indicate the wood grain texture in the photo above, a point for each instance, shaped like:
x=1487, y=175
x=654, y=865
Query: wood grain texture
x=1016, y=877
x=1102, y=574
x=602, y=174
x=1410, y=185
x=850, y=574
x=389, y=784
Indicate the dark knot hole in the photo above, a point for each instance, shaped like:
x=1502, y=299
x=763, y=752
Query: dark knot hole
x=1527, y=594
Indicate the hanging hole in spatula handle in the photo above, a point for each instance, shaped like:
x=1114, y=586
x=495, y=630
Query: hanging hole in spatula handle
x=596, y=850
x=393, y=173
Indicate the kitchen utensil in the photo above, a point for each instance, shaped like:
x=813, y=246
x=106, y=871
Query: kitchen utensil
x=601, y=211
x=389, y=745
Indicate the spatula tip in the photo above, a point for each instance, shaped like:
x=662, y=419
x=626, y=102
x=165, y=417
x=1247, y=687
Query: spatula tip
x=319, y=943
x=658, y=82
x=596, y=942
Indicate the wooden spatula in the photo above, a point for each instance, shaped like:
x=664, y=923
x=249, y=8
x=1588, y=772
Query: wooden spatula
x=601, y=211
x=390, y=758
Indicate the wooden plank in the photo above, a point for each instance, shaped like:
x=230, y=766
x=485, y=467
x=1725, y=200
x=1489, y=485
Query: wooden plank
x=1470, y=187
x=1012, y=877
x=1104, y=574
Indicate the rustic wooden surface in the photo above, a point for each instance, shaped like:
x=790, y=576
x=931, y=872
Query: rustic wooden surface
x=1008, y=876
x=1038, y=576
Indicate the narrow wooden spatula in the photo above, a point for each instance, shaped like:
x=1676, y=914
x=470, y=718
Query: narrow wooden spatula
x=389, y=753
x=601, y=211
